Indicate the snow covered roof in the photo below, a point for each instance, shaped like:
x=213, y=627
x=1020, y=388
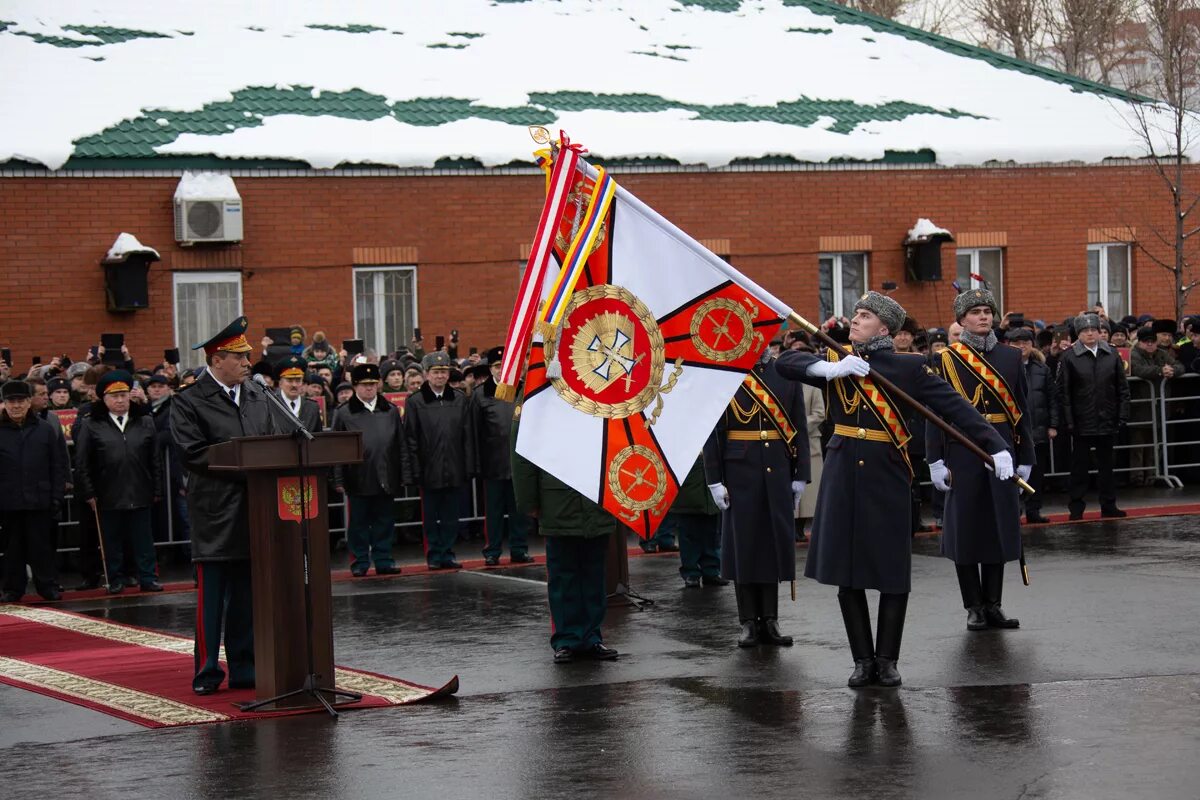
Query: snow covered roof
x=703, y=82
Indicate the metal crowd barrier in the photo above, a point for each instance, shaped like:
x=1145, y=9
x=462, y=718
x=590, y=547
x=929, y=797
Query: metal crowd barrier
x=1172, y=390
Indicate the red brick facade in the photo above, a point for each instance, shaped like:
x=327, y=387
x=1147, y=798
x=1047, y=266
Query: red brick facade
x=467, y=232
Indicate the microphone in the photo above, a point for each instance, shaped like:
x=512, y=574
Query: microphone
x=297, y=426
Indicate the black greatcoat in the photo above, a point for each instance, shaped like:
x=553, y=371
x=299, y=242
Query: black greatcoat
x=379, y=472
x=982, y=522
x=121, y=470
x=437, y=447
x=490, y=420
x=862, y=527
x=218, y=508
x=758, y=534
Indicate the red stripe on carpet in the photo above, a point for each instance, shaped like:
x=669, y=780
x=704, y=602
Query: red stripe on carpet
x=37, y=647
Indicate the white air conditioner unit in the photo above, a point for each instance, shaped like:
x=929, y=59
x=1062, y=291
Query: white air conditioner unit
x=208, y=208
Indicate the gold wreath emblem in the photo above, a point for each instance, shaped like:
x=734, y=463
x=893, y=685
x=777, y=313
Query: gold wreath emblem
x=650, y=473
x=602, y=353
x=717, y=315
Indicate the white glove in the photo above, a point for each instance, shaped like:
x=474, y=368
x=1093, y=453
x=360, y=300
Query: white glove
x=1004, y=465
x=797, y=492
x=940, y=475
x=720, y=495
x=850, y=365
x=1024, y=471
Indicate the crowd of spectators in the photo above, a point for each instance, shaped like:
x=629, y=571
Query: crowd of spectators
x=62, y=420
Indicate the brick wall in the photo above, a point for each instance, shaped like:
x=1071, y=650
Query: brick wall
x=301, y=235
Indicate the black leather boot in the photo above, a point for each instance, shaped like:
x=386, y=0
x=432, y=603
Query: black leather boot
x=747, y=613
x=892, y=608
x=768, y=632
x=993, y=587
x=857, y=618
x=972, y=595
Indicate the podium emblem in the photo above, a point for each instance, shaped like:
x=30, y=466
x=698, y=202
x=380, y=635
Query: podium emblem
x=290, y=505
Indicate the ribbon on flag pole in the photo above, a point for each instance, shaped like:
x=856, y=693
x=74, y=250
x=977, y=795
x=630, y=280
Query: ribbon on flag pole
x=520, y=327
x=603, y=192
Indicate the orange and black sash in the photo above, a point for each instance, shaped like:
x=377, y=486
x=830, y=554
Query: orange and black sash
x=883, y=408
x=988, y=378
x=769, y=404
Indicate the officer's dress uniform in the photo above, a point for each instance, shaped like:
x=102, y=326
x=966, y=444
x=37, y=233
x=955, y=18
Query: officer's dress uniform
x=757, y=453
x=862, y=531
x=209, y=413
x=982, y=523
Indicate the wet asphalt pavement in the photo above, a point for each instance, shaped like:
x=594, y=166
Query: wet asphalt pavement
x=1096, y=696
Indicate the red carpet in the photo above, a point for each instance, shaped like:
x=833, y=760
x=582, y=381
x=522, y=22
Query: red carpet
x=145, y=676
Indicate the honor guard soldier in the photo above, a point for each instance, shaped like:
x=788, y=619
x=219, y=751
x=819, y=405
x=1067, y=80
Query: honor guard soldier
x=221, y=405
x=861, y=535
x=982, y=523
x=372, y=485
x=289, y=378
x=756, y=462
x=491, y=420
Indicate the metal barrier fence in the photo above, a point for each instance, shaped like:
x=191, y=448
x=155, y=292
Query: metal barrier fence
x=1176, y=390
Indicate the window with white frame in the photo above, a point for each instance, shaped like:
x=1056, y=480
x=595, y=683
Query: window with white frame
x=982, y=268
x=1108, y=278
x=841, y=280
x=205, y=302
x=385, y=306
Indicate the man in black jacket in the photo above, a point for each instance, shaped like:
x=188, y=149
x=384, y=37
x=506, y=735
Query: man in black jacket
x=490, y=425
x=370, y=486
x=33, y=479
x=289, y=378
x=118, y=473
x=1043, y=415
x=1093, y=402
x=436, y=456
x=221, y=405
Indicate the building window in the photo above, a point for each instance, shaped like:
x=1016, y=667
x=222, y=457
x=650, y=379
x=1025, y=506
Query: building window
x=205, y=302
x=1108, y=278
x=385, y=306
x=982, y=268
x=842, y=279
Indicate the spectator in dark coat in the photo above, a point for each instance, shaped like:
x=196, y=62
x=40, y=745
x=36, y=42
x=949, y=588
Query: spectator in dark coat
x=1093, y=402
x=371, y=486
x=1043, y=410
x=33, y=479
x=172, y=502
x=118, y=472
x=436, y=455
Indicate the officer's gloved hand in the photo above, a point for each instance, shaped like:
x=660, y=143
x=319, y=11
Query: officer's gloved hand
x=1003, y=465
x=850, y=365
x=940, y=475
x=720, y=495
x=1024, y=471
x=797, y=492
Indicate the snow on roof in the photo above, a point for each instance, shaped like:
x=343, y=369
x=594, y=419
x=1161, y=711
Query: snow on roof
x=126, y=245
x=206, y=186
x=376, y=82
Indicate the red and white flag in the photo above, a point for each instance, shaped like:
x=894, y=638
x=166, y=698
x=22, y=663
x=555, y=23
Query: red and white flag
x=652, y=343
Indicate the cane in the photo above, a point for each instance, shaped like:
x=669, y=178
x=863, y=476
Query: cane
x=100, y=538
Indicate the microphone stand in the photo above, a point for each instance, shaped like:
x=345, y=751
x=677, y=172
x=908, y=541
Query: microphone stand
x=311, y=685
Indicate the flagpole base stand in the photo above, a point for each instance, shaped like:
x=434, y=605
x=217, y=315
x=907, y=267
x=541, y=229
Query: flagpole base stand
x=623, y=596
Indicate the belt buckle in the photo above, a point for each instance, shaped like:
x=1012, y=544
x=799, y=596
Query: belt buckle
x=762, y=435
x=862, y=433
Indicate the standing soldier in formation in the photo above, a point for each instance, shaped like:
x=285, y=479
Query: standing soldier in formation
x=289, y=378
x=983, y=514
x=491, y=422
x=756, y=462
x=371, y=486
x=220, y=406
x=861, y=536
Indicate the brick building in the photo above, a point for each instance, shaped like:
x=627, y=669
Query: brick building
x=1029, y=172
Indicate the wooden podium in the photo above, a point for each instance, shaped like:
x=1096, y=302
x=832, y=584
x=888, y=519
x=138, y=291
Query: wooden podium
x=273, y=466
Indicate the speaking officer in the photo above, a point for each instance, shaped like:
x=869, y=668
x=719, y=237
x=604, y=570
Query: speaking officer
x=862, y=531
x=118, y=472
x=490, y=421
x=289, y=377
x=577, y=532
x=982, y=523
x=219, y=406
x=756, y=462
x=371, y=485
x=436, y=444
